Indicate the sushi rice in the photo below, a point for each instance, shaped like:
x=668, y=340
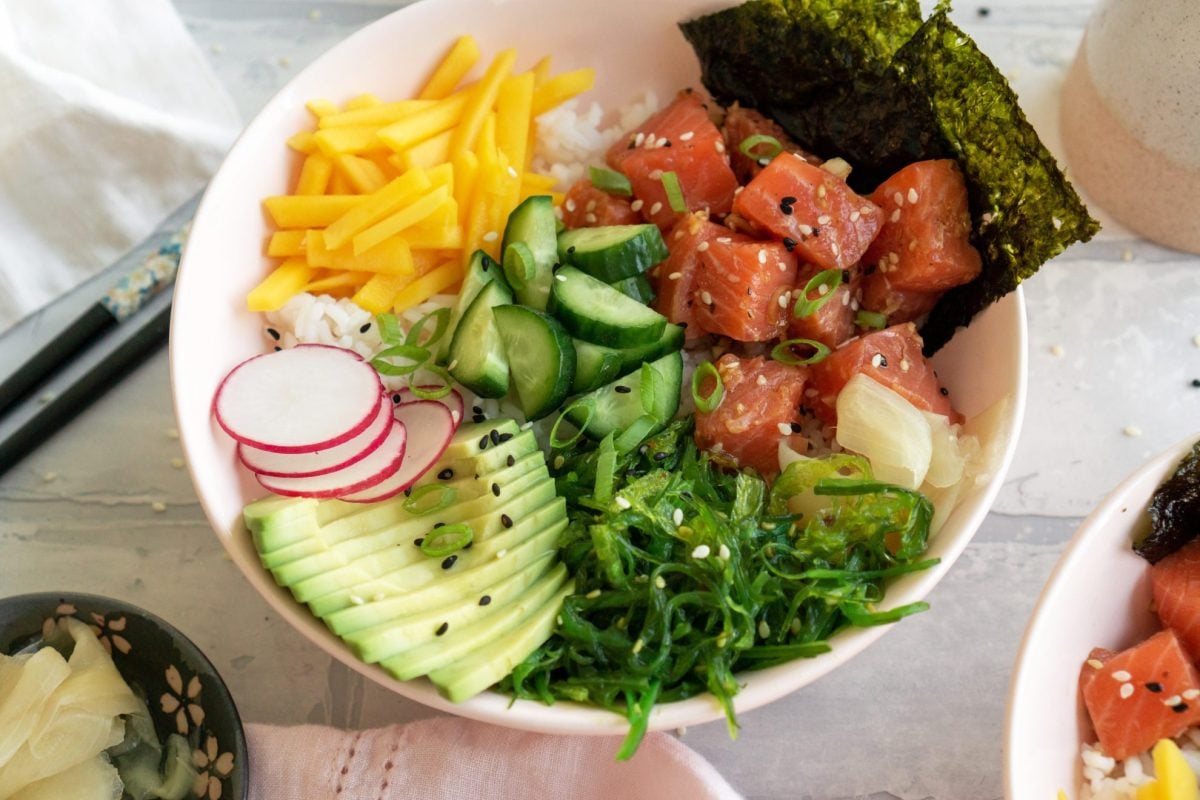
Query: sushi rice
x=1106, y=778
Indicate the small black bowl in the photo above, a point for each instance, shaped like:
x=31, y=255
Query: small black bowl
x=183, y=690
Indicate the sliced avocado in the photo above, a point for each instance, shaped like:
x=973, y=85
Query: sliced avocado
x=482, y=667
x=275, y=522
x=487, y=461
x=458, y=642
x=468, y=438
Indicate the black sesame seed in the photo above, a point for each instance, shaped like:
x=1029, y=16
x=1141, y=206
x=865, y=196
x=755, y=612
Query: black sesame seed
x=790, y=244
x=478, y=418
x=445, y=626
x=274, y=334
x=667, y=143
x=504, y=437
x=622, y=389
x=468, y=545
x=1154, y=686
x=1179, y=708
x=796, y=427
x=494, y=435
x=788, y=201
x=446, y=474
x=437, y=525
x=408, y=492
x=571, y=250
x=945, y=392
x=882, y=360
x=419, y=542
x=396, y=398
x=365, y=328
x=816, y=231
x=660, y=456
x=785, y=209
x=984, y=11
x=477, y=409
x=277, y=348
x=869, y=269
x=486, y=599
x=483, y=442
x=506, y=520
x=449, y=562
x=845, y=276
x=496, y=489
x=510, y=460
x=1196, y=382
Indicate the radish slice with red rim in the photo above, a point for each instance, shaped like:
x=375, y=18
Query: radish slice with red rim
x=321, y=462
x=453, y=400
x=430, y=428
x=375, y=469
x=299, y=400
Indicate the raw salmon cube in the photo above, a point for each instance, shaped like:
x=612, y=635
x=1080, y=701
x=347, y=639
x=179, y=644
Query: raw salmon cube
x=1175, y=582
x=585, y=206
x=743, y=288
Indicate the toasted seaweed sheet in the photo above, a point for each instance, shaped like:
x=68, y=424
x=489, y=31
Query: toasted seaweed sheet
x=867, y=80
x=1174, y=511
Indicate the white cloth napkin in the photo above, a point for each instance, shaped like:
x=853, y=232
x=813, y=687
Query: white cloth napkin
x=448, y=758
x=112, y=118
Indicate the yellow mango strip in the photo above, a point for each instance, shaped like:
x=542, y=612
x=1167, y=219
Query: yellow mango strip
x=285, y=244
x=453, y=68
x=513, y=107
x=434, y=238
x=390, y=257
x=536, y=183
x=309, y=211
x=439, y=279
x=314, y=175
x=386, y=168
x=375, y=207
x=362, y=174
x=561, y=88
x=320, y=108
x=377, y=294
x=466, y=169
x=337, y=280
x=302, y=142
x=429, y=153
x=441, y=175
x=541, y=71
x=482, y=97
x=397, y=162
x=376, y=115
x=354, y=140
x=284, y=282
x=444, y=216
x=488, y=184
x=359, y=102
x=426, y=260
x=441, y=116
x=400, y=220
x=339, y=185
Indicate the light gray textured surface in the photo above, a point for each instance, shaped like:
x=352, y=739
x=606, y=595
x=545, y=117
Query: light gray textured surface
x=917, y=716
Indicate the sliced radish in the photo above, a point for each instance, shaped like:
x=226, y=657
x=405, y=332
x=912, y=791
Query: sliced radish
x=430, y=429
x=305, y=398
x=362, y=475
x=321, y=462
x=452, y=401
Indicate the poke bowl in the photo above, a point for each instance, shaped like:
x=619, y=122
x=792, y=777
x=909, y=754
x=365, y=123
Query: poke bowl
x=1098, y=602
x=982, y=367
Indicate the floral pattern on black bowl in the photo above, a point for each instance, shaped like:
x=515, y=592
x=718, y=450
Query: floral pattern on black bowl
x=183, y=690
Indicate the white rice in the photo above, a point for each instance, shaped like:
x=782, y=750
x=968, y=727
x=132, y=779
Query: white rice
x=1105, y=778
x=569, y=139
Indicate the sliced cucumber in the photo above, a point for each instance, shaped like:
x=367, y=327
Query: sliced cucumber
x=481, y=271
x=534, y=225
x=613, y=252
x=633, y=357
x=540, y=355
x=619, y=404
x=476, y=351
x=636, y=287
x=596, y=312
x=595, y=365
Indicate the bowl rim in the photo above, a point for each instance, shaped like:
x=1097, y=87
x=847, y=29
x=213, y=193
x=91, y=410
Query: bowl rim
x=492, y=707
x=239, y=745
x=1075, y=553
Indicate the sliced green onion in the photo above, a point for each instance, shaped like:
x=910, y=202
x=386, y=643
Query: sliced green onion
x=606, y=468
x=415, y=358
x=865, y=619
x=831, y=279
x=447, y=539
x=670, y=182
x=774, y=147
x=519, y=264
x=609, y=181
x=710, y=403
x=389, y=328
x=441, y=319
x=446, y=497
x=871, y=319
x=584, y=402
x=638, y=430
x=432, y=392
x=784, y=354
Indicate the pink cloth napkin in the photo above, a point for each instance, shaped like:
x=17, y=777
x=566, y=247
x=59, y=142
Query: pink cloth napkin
x=448, y=758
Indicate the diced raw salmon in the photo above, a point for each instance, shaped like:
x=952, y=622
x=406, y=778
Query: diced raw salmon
x=1091, y=667
x=1149, y=692
x=828, y=223
x=743, y=288
x=674, y=279
x=742, y=123
x=892, y=357
x=586, y=206
x=761, y=401
x=833, y=322
x=925, y=243
x=898, y=305
x=1175, y=582
x=681, y=139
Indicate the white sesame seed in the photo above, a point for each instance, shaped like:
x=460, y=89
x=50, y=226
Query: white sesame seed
x=636, y=205
x=845, y=299
x=356, y=600
x=835, y=249
x=722, y=640
x=1095, y=663
x=895, y=217
x=656, y=174
x=674, y=276
x=706, y=297
x=590, y=219
x=452, y=365
x=678, y=235
x=700, y=248
x=987, y=217
x=678, y=516
x=501, y=553
x=1173, y=700
x=512, y=172
x=783, y=302
x=724, y=240
x=821, y=191
x=491, y=236
x=904, y=365
x=562, y=278
x=823, y=289
x=764, y=630
x=623, y=503
x=1191, y=694
x=720, y=146
x=639, y=140
x=1126, y=691
x=865, y=210
x=591, y=206
x=660, y=582
x=654, y=209
x=1056, y=222
x=723, y=552
x=559, y=461
x=571, y=205
x=782, y=266
x=637, y=646
x=1122, y=676
x=593, y=594
x=898, y=199
x=806, y=230
x=687, y=136
x=854, y=305
x=1057, y=350
x=784, y=428
x=701, y=551
x=877, y=360
x=912, y=196
x=762, y=256
x=824, y=219
x=855, y=215
x=662, y=142
x=159, y=506
x=1132, y=431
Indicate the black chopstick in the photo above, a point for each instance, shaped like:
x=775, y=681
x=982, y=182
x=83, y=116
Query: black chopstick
x=79, y=395
x=77, y=337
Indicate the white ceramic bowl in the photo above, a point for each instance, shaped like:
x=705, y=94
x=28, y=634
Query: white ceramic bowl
x=1097, y=596
x=211, y=330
